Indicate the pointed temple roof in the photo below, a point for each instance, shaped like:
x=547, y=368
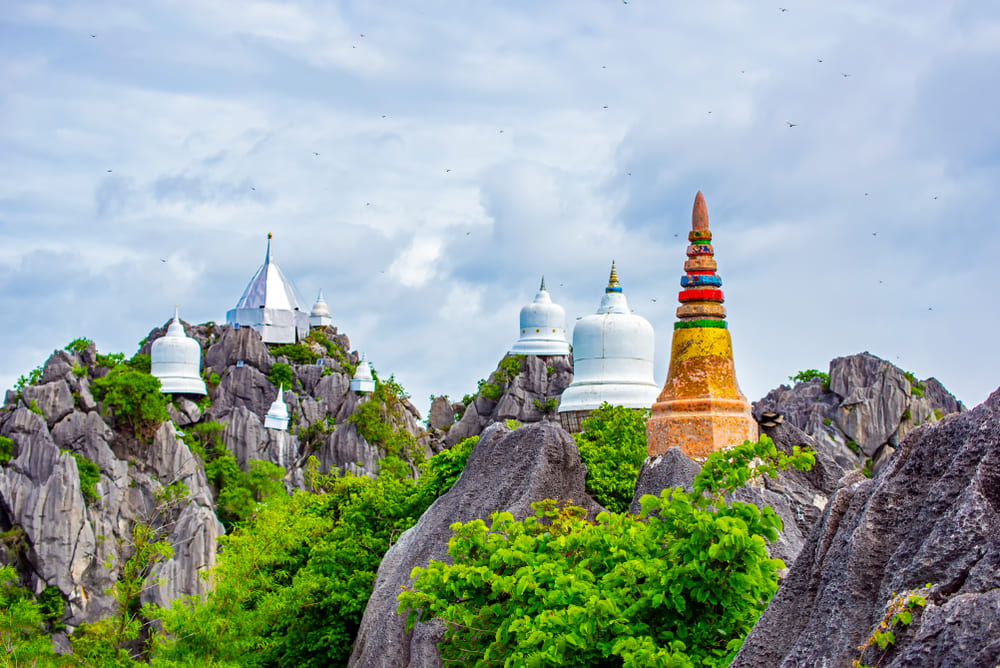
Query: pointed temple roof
x=269, y=287
x=701, y=288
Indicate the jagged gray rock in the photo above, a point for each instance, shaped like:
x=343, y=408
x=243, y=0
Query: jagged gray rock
x=541, y=380
x=506, y=471
x=931, y=515
x=441, y=414
x=237, y=345
x=53, y=399
x=868, y=401
x=671, y=469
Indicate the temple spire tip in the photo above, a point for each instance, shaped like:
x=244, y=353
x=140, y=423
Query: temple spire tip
x=699, y=214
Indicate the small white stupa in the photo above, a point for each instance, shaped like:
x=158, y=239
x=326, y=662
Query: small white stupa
x=612, y=360
x=320, y=314
x=277, y=415
x=543, y=327
x=269, y=305
x=363, y=380
x=175, y=359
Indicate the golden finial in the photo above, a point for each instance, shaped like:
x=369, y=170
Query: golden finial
x=613, y=279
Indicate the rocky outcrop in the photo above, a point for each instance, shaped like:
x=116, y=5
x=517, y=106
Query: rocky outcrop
x=868, y=406
x=73, y=533
x=528, y=395
x=931, y=515
x=506, y=471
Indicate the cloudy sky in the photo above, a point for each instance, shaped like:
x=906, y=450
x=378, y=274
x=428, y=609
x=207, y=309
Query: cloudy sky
x=424, y=163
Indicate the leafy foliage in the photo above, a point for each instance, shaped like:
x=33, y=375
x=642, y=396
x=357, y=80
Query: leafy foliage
x=134, y=397
x=6, y=450
x=22, y=630
x=380, y=420
x=916, y=386
x=810, y=374
x=508, y=369
x=141, y=362
x=52, y=607
x=90, y=475
x=548, y=406
x=681, y=588
x=899, y=612
x=296, y=352
x=237, y=492
x=24, y=381
x=613, y=446
x=281, y=375
x=78, y=345
x=292, y=583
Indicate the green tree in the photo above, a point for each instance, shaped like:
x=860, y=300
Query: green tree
x=681, y=587
x=291, y=584
x=613, y=446
x=134, y=397
x=22, y=630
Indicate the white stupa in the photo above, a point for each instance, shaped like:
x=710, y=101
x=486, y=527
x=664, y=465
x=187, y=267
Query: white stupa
x=320, y=314
x=363, y=380
x=543, y=327
x=612, y=360
x=269, y=306
x=277, y=415
x=175, y=358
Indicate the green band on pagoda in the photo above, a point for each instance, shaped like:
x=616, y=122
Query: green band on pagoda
x=690, y=324
x=707, y=242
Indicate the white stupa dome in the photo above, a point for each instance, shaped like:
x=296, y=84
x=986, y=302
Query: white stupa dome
x=612, y=360
x=320, y=314
x=277, y=415
x=543, y=327
x=269, y=305
x=363, y=380
x=175, y=358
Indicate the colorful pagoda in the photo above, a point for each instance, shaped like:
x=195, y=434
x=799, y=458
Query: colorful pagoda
x=701, y=408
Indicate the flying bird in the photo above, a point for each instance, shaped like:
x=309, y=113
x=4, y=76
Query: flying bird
x=315, y=153
x=109, y=171
x=93, y=35
x=446, y=171
x=782, y=9
x=368, y=203
x=605, y=106
x=935, y=197
x=383, y=115
x=362, y=34
x=791, y=125
x=252, y=188
x=874, y=234
x=501, y=132
x=162, y=260
x=866, y=194
x=604, y=67
x=819, y=60
x=844, y=74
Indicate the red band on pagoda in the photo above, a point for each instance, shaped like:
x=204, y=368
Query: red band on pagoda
x=700, y=295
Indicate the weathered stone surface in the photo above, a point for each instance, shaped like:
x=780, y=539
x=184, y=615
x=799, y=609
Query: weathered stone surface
x=57, y=367
x=931, y=515
x=54, y=399
x=671, y=469
x=541, y=380
x=234, y=345
x=242, y=387
x=868, y=401
x=441, y=414
x=506, y=471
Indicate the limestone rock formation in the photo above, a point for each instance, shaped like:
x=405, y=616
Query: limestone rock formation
x=506, y=471
x=931, y=515
x=868, y=407
x=529, y=395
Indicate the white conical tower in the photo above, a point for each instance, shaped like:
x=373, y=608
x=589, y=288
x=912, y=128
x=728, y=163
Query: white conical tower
x=363, y=380
x=320, y=314
x=175, y=358
x=543, y=327
x=277, y=415
x=612, y=360
x=269, y=305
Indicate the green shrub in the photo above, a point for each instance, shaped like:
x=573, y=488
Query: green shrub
x=134, y=397
x=490, y=391
x=291, y=584
x=380, y=421
x=509, y=367
x=33, y=407
x=938, y=414
x=548, y=406
x=296, y=352
x=90, y=475
x=22, y=628
x=24, y=381
x=810, y=374
x=613, y=446
x=6, y=450
x=853, y=446
x=111, y=360
x=78, y=345
x=281, y=375
x=681, y=587
x=906, y=415
x=916, y=386
x=140, y=362
x=79, y=371
x=827, y=421
x=52, y=607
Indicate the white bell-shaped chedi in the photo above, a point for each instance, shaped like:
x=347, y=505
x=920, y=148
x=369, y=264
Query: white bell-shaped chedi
x=543, y=327
x=612, y=360
x=277, y=415
x=320, y=315
x=175, y=358
x=363, y=380
x=269, y=306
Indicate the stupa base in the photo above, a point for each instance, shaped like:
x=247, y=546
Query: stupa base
x=699, y=426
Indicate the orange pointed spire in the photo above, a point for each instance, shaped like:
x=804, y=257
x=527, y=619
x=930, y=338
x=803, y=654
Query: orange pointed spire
x=699, y=214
